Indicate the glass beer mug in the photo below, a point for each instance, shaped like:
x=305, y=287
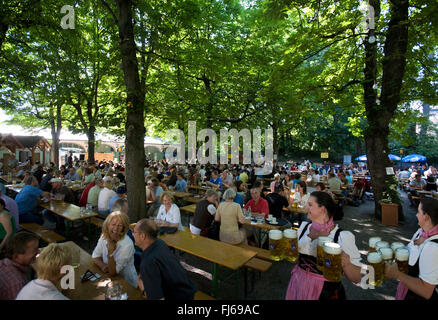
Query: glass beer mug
x=387, y=257
x=275, y=245
x=332, y=262
x=372, y=243
x=396, y=245
x=402, y=259
x=376, y=261
x=320, y=252
x=381, y=244
x=290, y=238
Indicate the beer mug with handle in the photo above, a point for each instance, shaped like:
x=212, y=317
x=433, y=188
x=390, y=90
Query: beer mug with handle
x=275, y=245
x=402, y=259
x=375, y=260
x=290, y=238
x=332, y=262
x=320, y=252
x=372, y=243
x=387, y=257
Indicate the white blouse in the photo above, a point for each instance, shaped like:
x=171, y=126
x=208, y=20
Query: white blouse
x=123, y=256
x=172, y=216
x=346, y=240
x=427, y=252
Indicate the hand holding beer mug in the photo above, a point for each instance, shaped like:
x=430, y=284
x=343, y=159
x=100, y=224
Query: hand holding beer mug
x=332, y=262
x=387, y=256
x=402, y=259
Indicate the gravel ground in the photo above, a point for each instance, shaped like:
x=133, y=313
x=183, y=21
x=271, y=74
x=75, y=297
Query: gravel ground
x=272, y=284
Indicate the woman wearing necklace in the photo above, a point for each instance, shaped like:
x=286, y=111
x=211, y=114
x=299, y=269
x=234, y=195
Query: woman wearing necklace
x=422, y=278
x=307, y=281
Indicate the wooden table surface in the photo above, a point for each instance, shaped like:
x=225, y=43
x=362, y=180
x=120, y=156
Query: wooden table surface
x=66, y=210
x=297, y=210
x=193, y=199
x=190, y=208
x=178, y=194
x=9, y=181
x=14, y=187
x=263, y=226
x=94, y=290
x=192, y=186
x=219, y=252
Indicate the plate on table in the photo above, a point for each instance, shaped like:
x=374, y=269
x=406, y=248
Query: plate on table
x=272, y=223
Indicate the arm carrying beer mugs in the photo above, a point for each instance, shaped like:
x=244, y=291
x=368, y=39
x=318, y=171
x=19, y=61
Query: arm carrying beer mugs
x=351, y=271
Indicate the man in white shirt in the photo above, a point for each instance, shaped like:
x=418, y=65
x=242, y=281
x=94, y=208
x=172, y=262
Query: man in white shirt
x=105, y=196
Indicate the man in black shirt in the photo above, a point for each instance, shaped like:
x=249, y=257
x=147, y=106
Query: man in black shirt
x=45, y=184
x=276, y=201
x=161, y=274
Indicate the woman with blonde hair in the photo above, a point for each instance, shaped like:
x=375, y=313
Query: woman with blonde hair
x=229, y=213
x=168, y=213
x=277, y=179
x=114, y=252
x=49, y=263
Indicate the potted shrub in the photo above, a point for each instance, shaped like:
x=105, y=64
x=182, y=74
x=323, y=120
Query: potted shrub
x=391, y=203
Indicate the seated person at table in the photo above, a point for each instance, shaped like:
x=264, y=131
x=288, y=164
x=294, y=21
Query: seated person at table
x=155, y=192
x=277, y=201
x=7, y=225
x=277, y=179
x=63, y=171
x=334, y=182
x=321, y=187
x=93, y=194
x=104, y=198
x=60, y=191
x=27, y=201
x=49, y=263
x=73, y=175
x=11, y=206
x=168, y=213
x=230, y=215
x=241, y=190
x=172, y=179
x=114, y=252
x=417, y=183
x=15, y=269
x=430, y=184
x=297, y=178
x=258, y=205
x=89, y=177
x=204, y=213
x=181, y=184
x=301, y=196
x=120, y=194
x=45, y=184
x=215, y=181
x=161, y=274
x=238, y=198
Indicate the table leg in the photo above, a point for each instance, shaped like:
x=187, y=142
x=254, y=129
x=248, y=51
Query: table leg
x=245, y=283
x=215, y=280
x=238, y=283
x=89, y=232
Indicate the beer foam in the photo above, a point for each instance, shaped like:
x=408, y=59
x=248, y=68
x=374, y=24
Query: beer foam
x=290, y=233
x=396, y=245
x=275, y=234
x=386, y=253
x=373, y=240
x=402, y=254
x=322, y=240
x=382, y=244
x=374, y=257
x=332, y=248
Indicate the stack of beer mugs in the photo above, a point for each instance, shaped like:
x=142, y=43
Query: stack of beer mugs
x=290, y=244
x=276, y=247
x=332, y=261
x=380, y=252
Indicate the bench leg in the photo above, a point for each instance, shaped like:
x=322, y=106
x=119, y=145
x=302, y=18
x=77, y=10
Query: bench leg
x=215, y=280
x=238, y=283
x=67, y=228
x=245, y=283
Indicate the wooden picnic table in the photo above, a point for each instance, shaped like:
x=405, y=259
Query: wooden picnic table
x=198, y=188
x=14, y=187
x=178, y=194
x=70, y=212
x=94, y=290
x=217, y=252
x=6, y=179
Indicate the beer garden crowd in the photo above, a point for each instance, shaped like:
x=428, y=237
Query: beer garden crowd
x=305, y=199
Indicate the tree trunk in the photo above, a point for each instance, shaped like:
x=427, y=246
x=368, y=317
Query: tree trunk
x=55, y=128
x=91, y=133
x=135, y=130
x=379, y=114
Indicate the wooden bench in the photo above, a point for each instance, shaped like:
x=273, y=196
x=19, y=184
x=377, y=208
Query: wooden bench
x=45, y=234
x=258, y=265
x=199, y=295
x=261, y=253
